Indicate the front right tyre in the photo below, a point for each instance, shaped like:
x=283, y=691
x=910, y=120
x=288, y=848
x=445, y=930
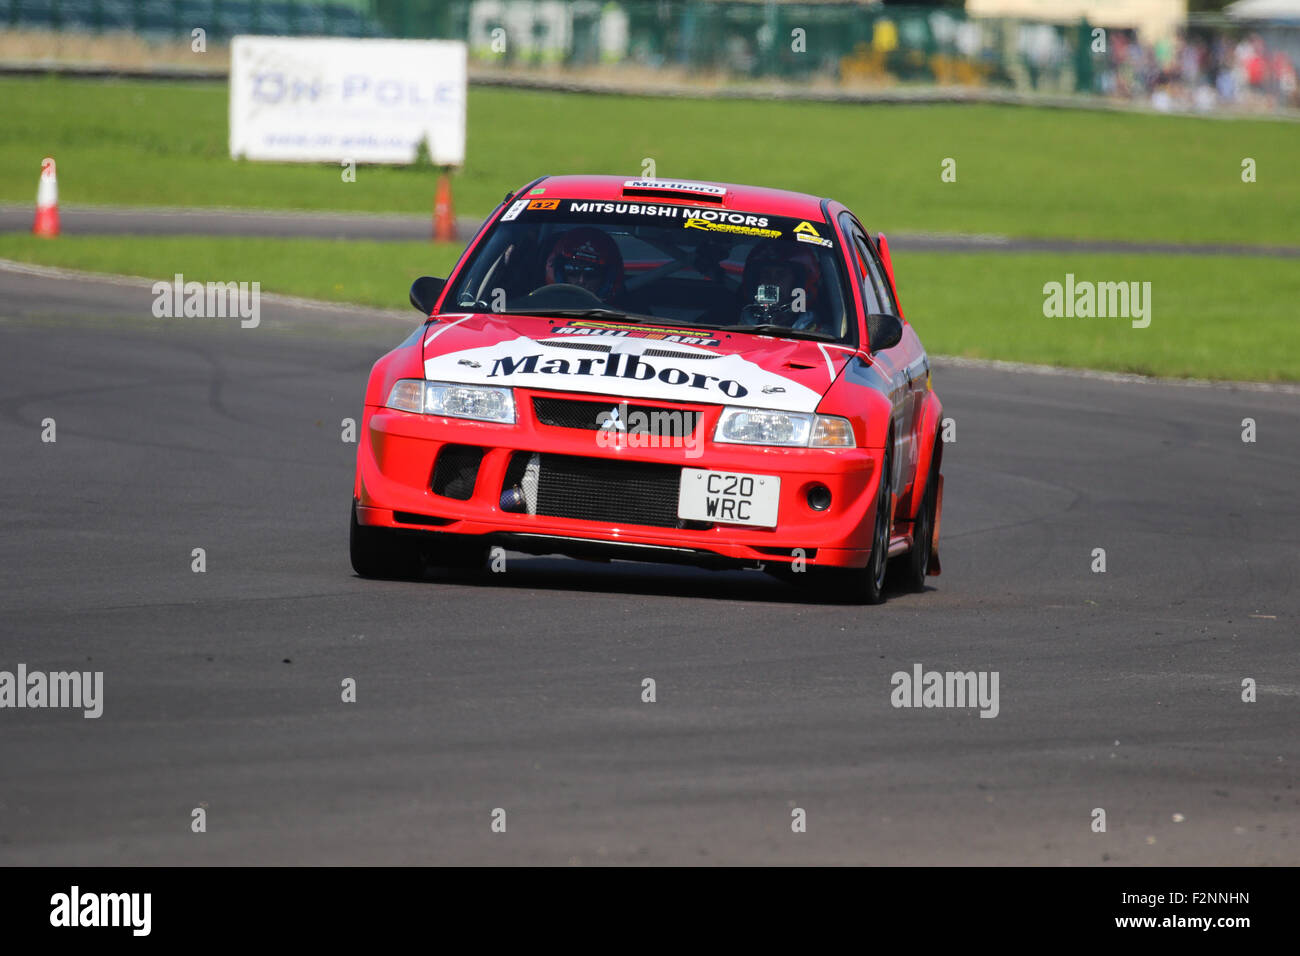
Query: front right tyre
x=383, y=552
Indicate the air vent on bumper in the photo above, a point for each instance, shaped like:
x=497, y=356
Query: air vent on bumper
x=456, y=470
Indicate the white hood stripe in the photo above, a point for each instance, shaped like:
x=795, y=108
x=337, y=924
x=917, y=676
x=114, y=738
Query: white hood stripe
x=444, y=328
x=724, y=379
x=830, y=366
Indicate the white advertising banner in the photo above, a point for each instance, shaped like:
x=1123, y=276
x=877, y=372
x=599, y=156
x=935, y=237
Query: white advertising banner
x=309, y=99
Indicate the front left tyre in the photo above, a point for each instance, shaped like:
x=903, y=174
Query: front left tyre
x=864, y=585
x=869, y=584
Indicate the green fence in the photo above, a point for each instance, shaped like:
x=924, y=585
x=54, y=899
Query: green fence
x=835, y=44
x=219, y=18
x=786, y=41
x=754, y=40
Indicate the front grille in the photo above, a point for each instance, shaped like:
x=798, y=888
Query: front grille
x=574, y=413
x=598, y=489
x=456, y=470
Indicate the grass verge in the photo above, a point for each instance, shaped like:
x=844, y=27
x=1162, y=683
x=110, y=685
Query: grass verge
x=1020, y=171
x=366, y=273
x=1210, y=317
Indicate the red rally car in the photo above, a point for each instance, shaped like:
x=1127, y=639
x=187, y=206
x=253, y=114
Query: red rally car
x=658, y=370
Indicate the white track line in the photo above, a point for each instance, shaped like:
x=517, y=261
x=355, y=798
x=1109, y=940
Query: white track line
x=1024, y=368
x=54, y=272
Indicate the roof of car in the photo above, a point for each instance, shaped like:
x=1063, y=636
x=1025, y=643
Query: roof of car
x=776, y=202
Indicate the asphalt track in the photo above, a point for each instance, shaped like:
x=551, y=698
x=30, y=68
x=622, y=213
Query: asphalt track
x=132, y=221
x=522, y=690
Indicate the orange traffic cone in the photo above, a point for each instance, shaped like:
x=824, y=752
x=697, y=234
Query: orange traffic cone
x=47, y=201
x=444, y=217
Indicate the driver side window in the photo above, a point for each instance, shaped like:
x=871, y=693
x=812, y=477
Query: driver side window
x=880, y=280
x=876, y=295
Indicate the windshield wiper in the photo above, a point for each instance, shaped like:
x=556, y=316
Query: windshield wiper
x=580, y=314
x=782, y=331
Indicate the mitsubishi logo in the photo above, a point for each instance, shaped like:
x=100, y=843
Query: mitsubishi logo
x=612, y=421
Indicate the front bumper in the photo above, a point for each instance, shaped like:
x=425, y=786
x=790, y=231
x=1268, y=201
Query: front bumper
x=398, y=450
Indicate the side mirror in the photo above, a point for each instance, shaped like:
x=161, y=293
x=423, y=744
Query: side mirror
x=424, y=293
x=883, y=331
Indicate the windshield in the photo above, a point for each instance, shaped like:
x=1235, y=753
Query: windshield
x=699, y=267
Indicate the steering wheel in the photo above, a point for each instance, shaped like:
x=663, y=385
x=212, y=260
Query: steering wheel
x=561, y=295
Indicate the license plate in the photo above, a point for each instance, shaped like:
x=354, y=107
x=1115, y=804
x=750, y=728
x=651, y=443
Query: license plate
x=728, y=497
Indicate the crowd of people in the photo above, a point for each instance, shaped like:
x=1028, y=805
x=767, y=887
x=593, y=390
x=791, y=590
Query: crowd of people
x=1204, y=71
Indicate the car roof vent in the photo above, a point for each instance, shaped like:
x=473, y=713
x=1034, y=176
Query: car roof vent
x=674, y=189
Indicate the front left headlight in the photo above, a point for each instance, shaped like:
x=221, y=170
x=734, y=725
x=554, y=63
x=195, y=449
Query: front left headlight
x=759, y=426
x=484, y=403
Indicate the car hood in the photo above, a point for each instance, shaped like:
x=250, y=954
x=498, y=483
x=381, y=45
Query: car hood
x=632, y=360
